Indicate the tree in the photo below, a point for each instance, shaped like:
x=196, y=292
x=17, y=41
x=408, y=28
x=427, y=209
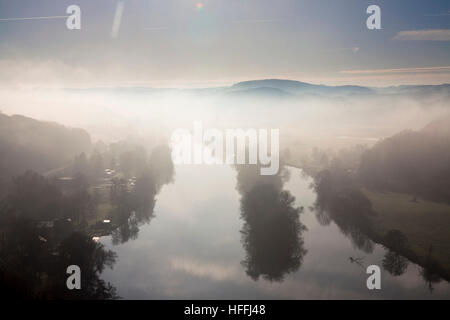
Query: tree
x=32, y=196
x=272, y=231
x=92, y=258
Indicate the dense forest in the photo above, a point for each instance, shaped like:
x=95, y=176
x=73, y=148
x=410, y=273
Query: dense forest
x=61, y=192
x=415, y=162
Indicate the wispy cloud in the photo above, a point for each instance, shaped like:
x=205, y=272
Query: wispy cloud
x=399, y=70
x=424, y=35
x=33, y=18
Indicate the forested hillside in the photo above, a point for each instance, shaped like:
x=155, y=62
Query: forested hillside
x=26, y=143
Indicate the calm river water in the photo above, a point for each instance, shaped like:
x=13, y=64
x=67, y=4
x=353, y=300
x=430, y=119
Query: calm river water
x=199, y=245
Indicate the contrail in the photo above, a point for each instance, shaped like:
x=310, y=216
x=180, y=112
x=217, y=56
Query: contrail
x=117, y=19
x=33, y=18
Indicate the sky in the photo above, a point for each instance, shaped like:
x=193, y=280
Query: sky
x=187, y=43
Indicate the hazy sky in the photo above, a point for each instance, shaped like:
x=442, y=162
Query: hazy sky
x=216, y=42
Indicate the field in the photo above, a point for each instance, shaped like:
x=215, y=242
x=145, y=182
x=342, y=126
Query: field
x=424, y=223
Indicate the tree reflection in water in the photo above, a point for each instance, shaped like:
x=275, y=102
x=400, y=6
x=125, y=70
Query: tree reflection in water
x=134, y=206
x=339, y=201
x=430, y=270
x=43, y=230
x=272, y=231
x=32, y=267
x=393, y=262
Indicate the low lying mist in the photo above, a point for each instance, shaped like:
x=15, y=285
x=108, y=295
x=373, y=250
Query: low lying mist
x=309, y=118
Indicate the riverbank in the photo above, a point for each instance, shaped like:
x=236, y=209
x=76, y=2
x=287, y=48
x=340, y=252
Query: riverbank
x=424, y=224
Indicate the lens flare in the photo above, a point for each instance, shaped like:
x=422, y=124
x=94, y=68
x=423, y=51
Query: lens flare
x=199, y=5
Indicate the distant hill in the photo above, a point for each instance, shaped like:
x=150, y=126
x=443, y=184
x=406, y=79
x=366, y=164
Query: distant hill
x=259, y=92
x=296, y=87
x=285, y=85
x=26, y=143
x=276, y=88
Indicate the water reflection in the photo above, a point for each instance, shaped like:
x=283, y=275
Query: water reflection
x=34, y=267
x=221, y=221
x=431, y=270
x=430, y=277
x=37, y=240
x=134, y=204
x=393, y=262
x=272, y=231
x=47, y=224
x=341, y=201
x=338, y=201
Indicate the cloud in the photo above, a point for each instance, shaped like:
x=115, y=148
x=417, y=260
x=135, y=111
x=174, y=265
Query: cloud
x=424, y=35
x=399, y=70
x=203, y=269
x=31, y=72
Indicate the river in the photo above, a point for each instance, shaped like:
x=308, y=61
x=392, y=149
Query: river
x=193, y=248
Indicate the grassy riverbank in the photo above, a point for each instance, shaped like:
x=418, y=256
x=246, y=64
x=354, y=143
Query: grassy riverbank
x=424, y=223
